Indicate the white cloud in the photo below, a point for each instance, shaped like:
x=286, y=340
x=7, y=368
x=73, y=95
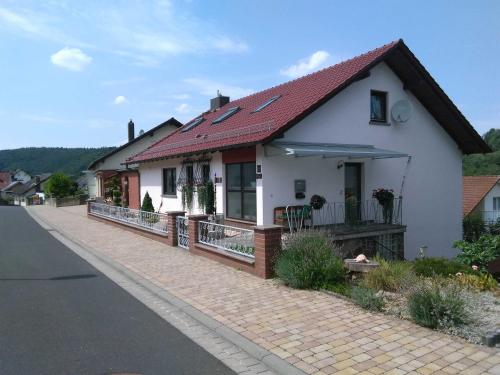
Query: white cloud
x=71, y=58
x=223, y=43
x=306, y=65
x=209, y=88
x=180, y=96
x=120, y=100
x=183, y=108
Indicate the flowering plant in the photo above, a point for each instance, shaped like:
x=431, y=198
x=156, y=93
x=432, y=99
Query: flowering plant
x=383, y=196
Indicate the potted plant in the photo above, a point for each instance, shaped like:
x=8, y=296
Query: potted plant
x=385, y=198
x=317, y=202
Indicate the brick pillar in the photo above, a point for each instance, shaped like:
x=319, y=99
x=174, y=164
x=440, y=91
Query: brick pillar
x=193, y=228
x=267, y=245
x=172, y=226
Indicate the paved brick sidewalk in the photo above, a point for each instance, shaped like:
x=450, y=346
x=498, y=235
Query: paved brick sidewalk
x=317, y=333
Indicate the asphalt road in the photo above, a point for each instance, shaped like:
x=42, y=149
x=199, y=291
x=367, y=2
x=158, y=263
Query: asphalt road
x=59, y=315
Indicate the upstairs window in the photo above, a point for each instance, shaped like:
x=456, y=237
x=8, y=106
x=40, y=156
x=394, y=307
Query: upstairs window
x=496, y=203
x=378, y=106
x=225, y=115
x=169, y=181
x=265, y=104
x=192, y=124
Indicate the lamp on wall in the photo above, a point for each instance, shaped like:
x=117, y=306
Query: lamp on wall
x=340, y=164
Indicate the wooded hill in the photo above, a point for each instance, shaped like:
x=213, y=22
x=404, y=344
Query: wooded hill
x=485, y=164
x=37, y=160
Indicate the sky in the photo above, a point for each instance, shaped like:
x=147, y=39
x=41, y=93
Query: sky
x=73, y=73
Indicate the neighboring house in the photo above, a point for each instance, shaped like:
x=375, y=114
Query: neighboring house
x=27, y=193
x=482, y=197
x=378, y=120
x=102, y=170
x=20, y=175
x=5, y=179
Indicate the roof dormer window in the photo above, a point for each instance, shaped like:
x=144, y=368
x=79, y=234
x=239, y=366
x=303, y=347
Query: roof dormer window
x=225, y=115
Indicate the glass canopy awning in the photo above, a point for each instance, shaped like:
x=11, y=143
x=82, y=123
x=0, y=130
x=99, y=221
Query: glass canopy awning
x=334, y=150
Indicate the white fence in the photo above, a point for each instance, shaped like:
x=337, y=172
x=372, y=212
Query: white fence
x=152, y=221
x=235, y=240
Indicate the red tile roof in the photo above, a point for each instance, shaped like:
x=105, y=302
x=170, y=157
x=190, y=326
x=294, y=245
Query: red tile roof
x=5, y=179
x=297, y=99
x=475, y=189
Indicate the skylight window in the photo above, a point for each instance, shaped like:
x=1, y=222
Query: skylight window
x=225, y=115
x=273, y=99
x=192, y=124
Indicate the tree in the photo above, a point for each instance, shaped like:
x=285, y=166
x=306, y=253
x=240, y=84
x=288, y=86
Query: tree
x=59, y=185
x=147, y=203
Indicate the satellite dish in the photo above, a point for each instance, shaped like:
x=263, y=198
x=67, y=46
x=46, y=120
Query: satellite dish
x=401, y=111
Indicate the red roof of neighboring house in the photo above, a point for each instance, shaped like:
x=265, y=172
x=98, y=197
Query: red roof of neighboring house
x=5, y=179
x=300, y=97
x=475, y=189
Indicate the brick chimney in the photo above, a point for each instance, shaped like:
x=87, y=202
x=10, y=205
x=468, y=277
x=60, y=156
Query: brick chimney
x=219, y=101
x=131, y=132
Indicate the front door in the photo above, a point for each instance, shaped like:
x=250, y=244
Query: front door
x=352, y=191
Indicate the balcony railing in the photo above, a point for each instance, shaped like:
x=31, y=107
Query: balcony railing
x=491, y=216
x=235, y=240
x=153, y=221
x=344, y=214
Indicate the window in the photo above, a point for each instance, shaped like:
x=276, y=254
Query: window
x=261, y=107
x=496, y=203
x=225, y=115
x=189, y=175
x=169, y=181
x=378, y=106
x=192, y=124
x=241, y=202
x=205, y=172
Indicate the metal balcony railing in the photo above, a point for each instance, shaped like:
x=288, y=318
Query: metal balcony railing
x=153, y=221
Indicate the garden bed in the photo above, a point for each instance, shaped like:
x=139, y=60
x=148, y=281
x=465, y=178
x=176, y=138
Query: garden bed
x=457, y=297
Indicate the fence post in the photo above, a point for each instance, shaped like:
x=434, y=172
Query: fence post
x=88, y=207
x=193, y=229
x=267, y=245
x=172, y=226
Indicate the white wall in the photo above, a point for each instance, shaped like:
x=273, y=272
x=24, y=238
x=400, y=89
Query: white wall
x=432, y=198
x=151, y=181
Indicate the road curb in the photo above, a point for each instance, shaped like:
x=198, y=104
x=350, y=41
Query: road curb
x=274, y=362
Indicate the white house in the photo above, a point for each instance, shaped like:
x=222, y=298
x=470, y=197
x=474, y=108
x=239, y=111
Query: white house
x=482, y=197
x=110, y=166
x=378, y=120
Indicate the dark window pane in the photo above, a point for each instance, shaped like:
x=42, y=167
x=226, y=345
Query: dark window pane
x=234, y=204
x=169, y=181
x=233, y=176
x=206, y=172
x=249, y=176
x=189, y=174
x=250, y=206
x=378, y=106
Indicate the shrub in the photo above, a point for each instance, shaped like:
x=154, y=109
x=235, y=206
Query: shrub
x=480, y=252
x=437, y=305
x=59, y=185
x=429, y=267
x=367, y=298
x=308, y=262
x=147, y=203
x=342, y=288
x=481, y=281
x=117, y=197
x=391, y=276
x=474, y=227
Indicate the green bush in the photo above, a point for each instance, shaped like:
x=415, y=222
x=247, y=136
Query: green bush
x=436, y=305
x=59, y=186
x=479, y=253
x=474, y=227
x=147, y=203
x=367, y=298
x=342, y=288
x=478, y=281
x=307, y=262
x=391, y=276
x=429, y=267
